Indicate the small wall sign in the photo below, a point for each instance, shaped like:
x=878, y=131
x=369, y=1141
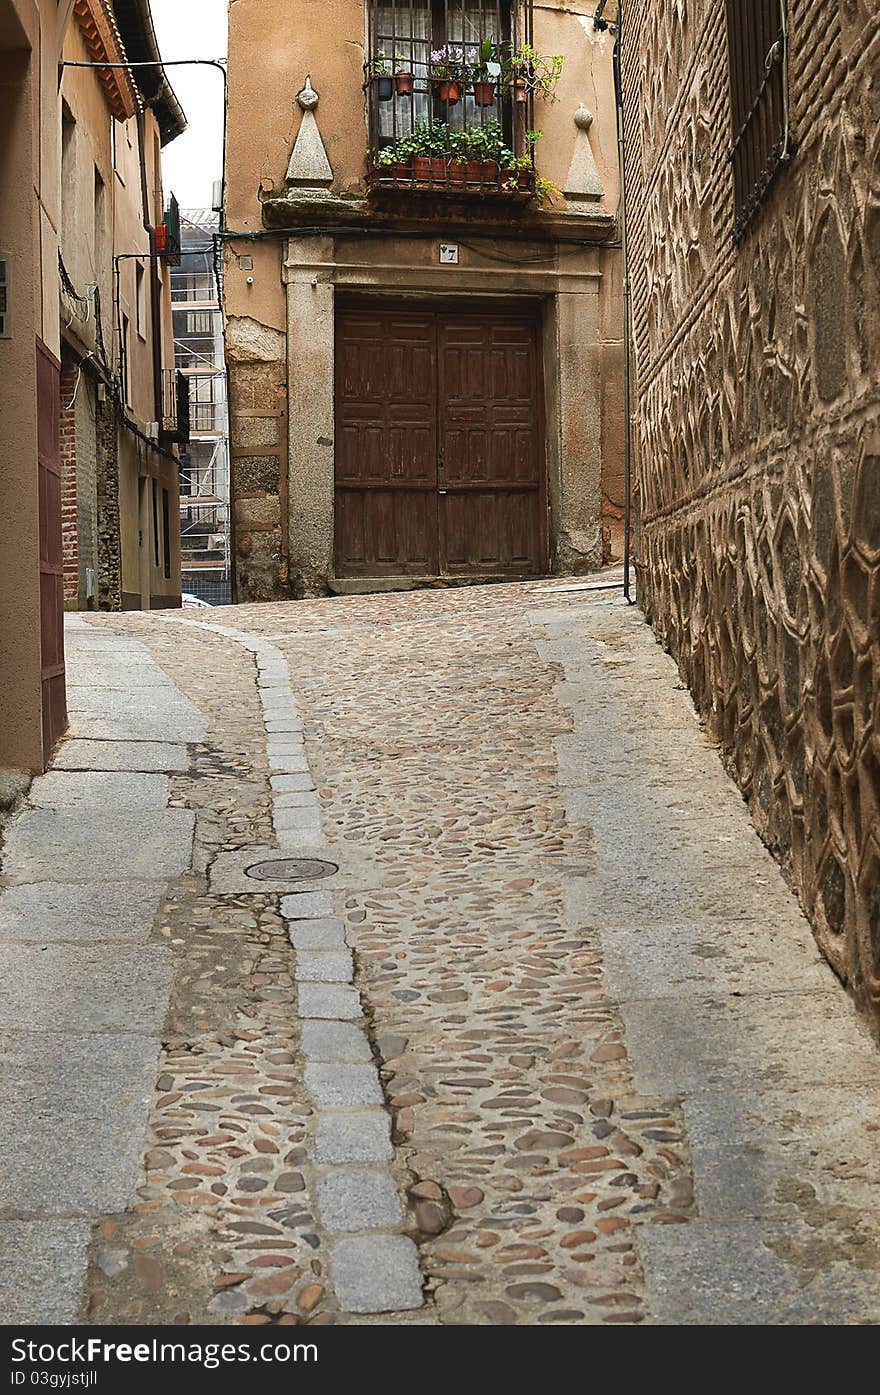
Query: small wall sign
x=449, y=254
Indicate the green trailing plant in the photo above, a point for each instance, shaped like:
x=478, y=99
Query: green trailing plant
x=545, y=190
x=485, y=144
x=386, y=156
x=482, y=142
x=525, y=71
x=380, y=65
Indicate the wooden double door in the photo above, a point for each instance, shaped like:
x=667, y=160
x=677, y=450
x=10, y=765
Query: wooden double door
x=439, y=453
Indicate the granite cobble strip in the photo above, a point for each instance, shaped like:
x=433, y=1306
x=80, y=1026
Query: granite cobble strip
x=351, y=1122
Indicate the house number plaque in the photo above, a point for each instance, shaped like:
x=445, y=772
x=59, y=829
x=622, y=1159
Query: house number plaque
x=449, y=254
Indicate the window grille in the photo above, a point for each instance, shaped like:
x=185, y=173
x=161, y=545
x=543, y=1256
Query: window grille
x=757, y=37
x=405, y=38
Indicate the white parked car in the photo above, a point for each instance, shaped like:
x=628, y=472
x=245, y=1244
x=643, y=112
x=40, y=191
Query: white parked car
x=190, y=602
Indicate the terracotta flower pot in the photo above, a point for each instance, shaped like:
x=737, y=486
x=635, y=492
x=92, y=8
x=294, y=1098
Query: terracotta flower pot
x=385, y=87
x=439, y=168
x=484, y=93
x=402, y=169
x=524, y=179
x=449, y=92
x=421, y=166
x=482, y=172
x=520, y=91
x=403, y=83
x=457, y=171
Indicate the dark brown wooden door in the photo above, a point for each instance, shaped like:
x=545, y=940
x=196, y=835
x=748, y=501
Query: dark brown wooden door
x=438, y=463
x=51, y=559
x=386, y=451
x=490, y=479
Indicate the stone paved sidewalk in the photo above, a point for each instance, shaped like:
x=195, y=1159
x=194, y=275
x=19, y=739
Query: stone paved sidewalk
x=552, y=1045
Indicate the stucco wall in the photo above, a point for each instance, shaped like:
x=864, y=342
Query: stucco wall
x=326, y=39
x=759, y=436
x=29, y=201
x=272, y=349
x=89, y=245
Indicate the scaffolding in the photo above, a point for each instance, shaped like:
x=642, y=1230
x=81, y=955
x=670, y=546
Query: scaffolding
x=199, y=359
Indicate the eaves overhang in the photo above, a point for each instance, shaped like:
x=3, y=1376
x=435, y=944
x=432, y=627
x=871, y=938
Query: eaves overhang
x=135, y=23
x=97, y=24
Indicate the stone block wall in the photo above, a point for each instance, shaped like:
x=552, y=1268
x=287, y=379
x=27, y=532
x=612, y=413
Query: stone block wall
x=256, y=358
x=758, y=436
x=109, y=538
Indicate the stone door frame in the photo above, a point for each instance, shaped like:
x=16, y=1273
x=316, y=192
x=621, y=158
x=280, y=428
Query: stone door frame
x=567, y=288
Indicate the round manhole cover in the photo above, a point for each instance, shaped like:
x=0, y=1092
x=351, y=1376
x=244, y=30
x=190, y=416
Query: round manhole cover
x=292, y=869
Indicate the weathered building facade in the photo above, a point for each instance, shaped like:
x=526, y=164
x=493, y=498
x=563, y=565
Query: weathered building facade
x=424, y=339
x=753, y=156
x=118, y=389
x=75, y=442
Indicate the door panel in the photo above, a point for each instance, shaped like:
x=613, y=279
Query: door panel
x=438, y=458
x=386, y=459
x=51, y=558
x=490, y=447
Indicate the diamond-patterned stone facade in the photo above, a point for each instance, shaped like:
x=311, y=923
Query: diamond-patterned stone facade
x=758, y=436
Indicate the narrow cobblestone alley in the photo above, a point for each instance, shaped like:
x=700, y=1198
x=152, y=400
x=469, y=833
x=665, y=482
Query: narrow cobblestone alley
x=549, y=1042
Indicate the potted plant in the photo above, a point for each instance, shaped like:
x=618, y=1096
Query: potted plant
x=380, y=72
x=447, y=74
x=485, y=73
x=427, y=150
x=483, y=146
x=439, y=144
x=526, y=72
x=518, y=171
x=393, y=161
x=403, y=77
x=458, y=156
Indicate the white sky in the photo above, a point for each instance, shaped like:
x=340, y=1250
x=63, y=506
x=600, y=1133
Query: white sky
x=194, y=29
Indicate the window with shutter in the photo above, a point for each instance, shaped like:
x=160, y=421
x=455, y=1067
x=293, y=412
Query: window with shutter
x=757, y=37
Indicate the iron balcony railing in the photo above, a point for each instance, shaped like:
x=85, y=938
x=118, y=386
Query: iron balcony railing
x=168, y=234
x=449, y=97
x=176, y=407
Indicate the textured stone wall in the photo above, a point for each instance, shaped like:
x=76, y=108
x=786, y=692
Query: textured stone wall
x=758, y=435
x=256, y=359
x=109, y=539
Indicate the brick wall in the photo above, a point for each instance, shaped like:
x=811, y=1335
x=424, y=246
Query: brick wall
x=79, y=449
x=69, y=541
x=758, y=436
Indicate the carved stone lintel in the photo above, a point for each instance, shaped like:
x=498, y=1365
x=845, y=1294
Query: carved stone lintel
x=309, y=166
x=584, y=183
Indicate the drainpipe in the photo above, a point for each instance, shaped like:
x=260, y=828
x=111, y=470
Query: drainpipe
x=627, y=314
x=155, y=287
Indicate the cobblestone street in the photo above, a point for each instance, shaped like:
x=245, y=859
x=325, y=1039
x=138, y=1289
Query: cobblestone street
x=551, y=1041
